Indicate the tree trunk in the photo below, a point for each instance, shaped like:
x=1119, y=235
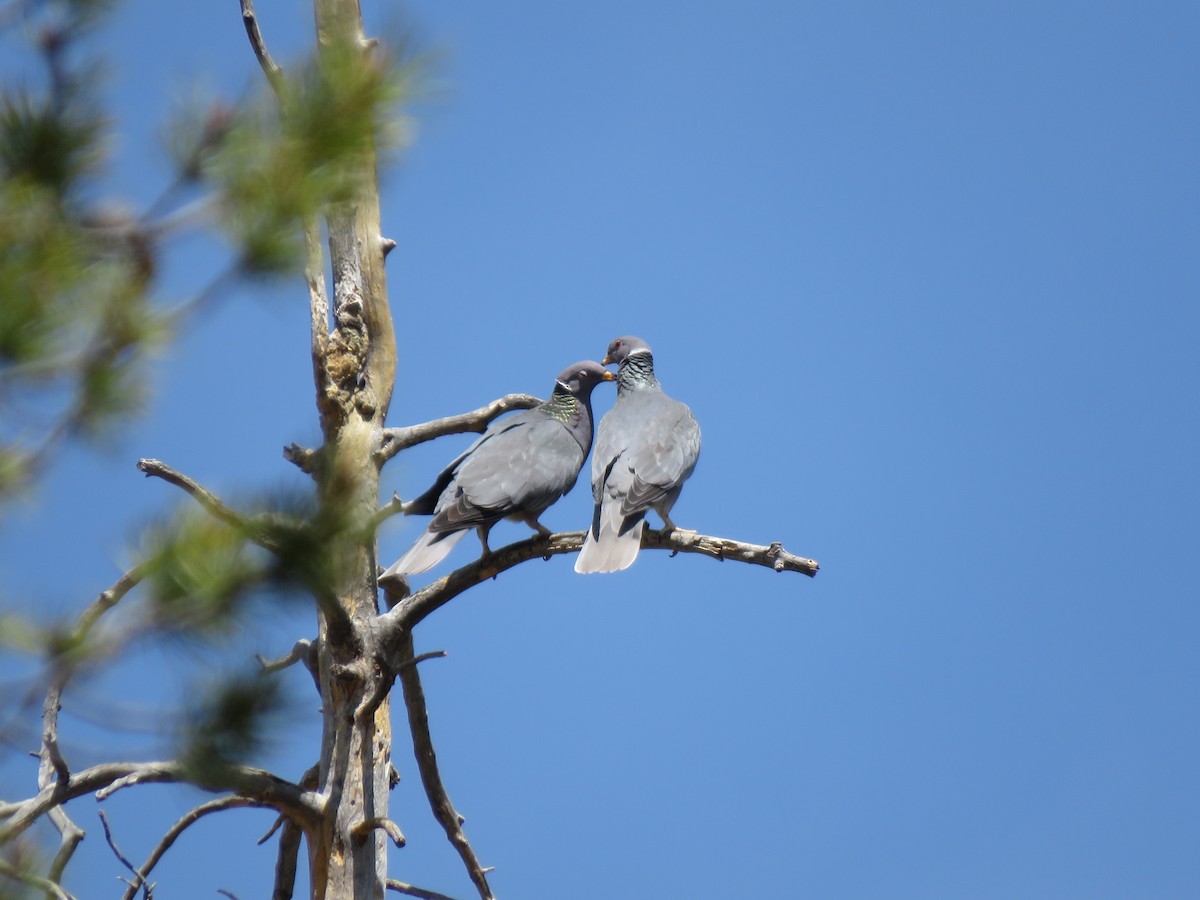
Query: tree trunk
x=347, y=856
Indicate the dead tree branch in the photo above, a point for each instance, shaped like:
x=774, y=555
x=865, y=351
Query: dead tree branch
x=108, y=778
x=52, y=761
x=289, y=844
x=339, y=621
x=112, y=844
x=286, y=861
x=156, y=468
x=411, y=610
x=303, y=651
x=397, y=439
x=270, y=68
x=188, y=819
x=435, y=790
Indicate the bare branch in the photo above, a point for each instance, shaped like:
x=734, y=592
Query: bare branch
x=108, y=778
x=435, y=790
x=117, y=852
x=363, y=829
x=270, y=68
x=286, y=861
x=302, y=651
x=413, y=891
x=289, y=845
x=52, y=761
x=185, y=821
x=411, y=610
x=393, y=507
x=156, y=468
x=397, y=439
x=432, y=654
x=108, y=599
x=339, y=622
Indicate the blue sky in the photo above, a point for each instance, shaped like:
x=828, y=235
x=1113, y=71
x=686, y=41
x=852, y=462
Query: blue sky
x=928, y=277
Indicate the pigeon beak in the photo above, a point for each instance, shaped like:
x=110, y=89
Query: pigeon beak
x=609, y=376
x=608, y=361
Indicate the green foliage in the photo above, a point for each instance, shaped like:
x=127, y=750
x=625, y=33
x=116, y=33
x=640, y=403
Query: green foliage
x=50, y=142
x=75, y=318
x=227, y=722
x=197, y=571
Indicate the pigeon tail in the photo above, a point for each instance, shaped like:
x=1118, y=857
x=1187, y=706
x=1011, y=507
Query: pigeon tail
x=429, y=550
x=607, y=548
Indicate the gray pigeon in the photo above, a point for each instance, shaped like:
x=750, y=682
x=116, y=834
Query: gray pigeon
x=646, y=447
x=516, y=470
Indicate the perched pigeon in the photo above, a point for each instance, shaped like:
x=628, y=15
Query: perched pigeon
x=646, y=447
x=516, y=470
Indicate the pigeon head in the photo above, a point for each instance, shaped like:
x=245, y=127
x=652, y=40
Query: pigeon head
x=579, y=379
x=624, y=347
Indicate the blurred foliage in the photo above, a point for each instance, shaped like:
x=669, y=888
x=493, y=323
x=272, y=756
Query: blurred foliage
x=81, y=314
x=227, y=722
x=285, y=158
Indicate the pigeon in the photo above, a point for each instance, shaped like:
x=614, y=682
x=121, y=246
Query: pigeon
x=516, y=470
x=646, y=447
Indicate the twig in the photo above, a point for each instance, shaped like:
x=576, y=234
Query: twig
x=396, y=439
x=411, y=610
x=119, y=855
x=435, y=790
x=270, y=68
x=432, y=654
x=414, y=891
x=275, y=826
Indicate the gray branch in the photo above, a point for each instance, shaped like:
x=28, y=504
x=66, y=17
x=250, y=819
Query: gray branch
x=187, y=820
x=270, y=68
x=108, y=778
x=397, y=439
x=412, y=609
x=439, y=801
x=339, y=622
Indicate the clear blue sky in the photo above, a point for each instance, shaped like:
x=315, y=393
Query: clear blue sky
x=927, y=275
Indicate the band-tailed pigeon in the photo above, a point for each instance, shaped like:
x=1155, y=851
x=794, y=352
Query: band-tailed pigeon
x=646, y=447
x=516, y=470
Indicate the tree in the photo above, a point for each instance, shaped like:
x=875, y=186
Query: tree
x=280, y=173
